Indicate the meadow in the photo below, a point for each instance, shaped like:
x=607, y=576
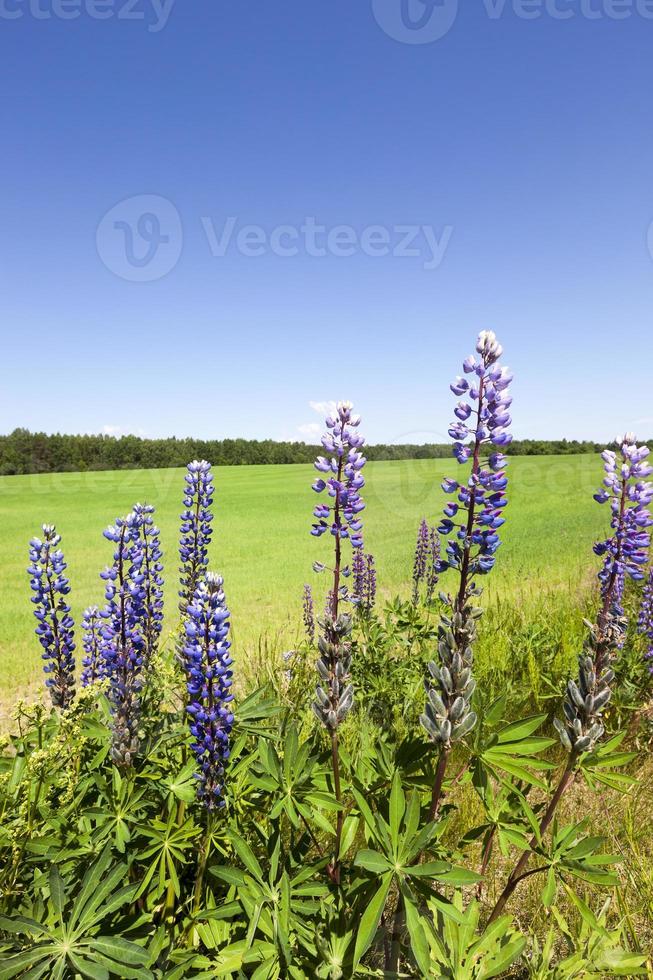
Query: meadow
x=262, y=546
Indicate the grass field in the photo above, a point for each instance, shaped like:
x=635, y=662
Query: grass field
x=263, y=548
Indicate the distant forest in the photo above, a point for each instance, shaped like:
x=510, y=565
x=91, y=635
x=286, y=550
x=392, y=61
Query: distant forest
x=36, y=452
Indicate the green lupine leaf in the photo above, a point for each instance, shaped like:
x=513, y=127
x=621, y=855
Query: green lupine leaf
x=370, y=919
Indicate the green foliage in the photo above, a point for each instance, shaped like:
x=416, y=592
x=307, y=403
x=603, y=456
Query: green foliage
x=109, y=874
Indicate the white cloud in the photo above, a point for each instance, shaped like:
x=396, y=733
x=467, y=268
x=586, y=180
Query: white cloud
x=324, y=408
x=311, y=429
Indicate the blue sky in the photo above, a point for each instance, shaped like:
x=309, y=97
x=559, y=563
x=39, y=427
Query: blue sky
x=163, y=167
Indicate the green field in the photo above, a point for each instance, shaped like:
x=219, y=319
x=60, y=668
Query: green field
x=263, y=548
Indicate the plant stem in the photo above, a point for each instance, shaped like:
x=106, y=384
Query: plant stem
x=436, y=795
x=334, y=869
x=518, y=871
x=392, y=961
x=487, y=854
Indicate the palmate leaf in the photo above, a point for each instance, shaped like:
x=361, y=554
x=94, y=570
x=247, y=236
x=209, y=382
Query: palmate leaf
x=512, y=750
x=371, y=918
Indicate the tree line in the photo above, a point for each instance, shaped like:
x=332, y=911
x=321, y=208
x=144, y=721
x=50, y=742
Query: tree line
x=23, y=451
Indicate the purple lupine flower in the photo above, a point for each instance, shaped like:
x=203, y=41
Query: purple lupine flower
x=359, y=575
x=363, y=595
x=421, y=553
x=55, y=629
x=123, y=639
x=471, y=523
x=645, y=620
x=433, y=564
x=370, y=584
x=93, y=662
x=483, y=421
x=195, y=529
x=309, y=614
x=208, y=667
x=345, y=480
x=625, y=554
x=153, y=578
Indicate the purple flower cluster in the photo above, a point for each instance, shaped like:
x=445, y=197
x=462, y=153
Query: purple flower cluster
x=92, y=642
x=153, y=580
x=55, y=624
x=624, y=553
x=344, y=465
x=308, y=610
x=625, y=487
x=364, y=581
x=426, y=563
x=645, y=621
x=482, y=420
x=123, y=634
x=195, y=529
x=208, y=667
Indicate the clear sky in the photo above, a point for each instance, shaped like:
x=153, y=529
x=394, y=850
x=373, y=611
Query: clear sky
x=403, y=190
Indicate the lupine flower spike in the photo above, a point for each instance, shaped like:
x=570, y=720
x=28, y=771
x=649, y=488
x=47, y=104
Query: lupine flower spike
x=625, y=553
x=153, y=578
x=341, y=477
x=309, y=614
x=55, y=624
x=645, y=621
x=195, y=529
x=426, y=562
x=93, y=662
x=123, y=637
x=208, y=667
x=419, y=563
x=471, y=524
x=363, y=594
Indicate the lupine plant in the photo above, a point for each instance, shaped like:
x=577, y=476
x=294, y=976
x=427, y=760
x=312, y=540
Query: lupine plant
x=50, y=586
x=308, y=614
x=625, y=551
x=342, y=480
x=426, y=562
x=92, y=640
x=162, y=837
x=123, y=647
x=471, y=524
x=152, y=578
x=208, y=666
x=363, y=571
x=196, y=529
x=645, y=620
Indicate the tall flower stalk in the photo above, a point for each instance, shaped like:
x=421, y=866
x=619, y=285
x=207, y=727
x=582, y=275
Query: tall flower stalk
x=470, y=526
x=645, y=620
x=55, y=630
x=625, y=553
x=341, y=478
x=208, y=668
x=426, y=562
x=152, y=570
x=308, y=614
x=123, y=635
x=195, y=530
x=364, y=582
x=92, y=641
